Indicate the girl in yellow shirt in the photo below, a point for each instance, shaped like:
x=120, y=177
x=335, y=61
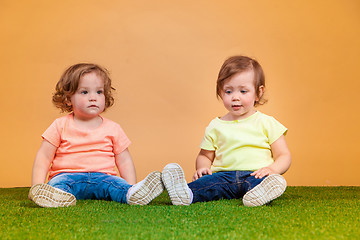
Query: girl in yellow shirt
x=243, y=153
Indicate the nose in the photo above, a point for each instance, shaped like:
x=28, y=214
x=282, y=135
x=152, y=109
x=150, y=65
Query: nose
x=92, y=97
x=235, y=97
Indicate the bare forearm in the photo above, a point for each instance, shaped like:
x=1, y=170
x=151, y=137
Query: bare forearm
x=38, y=176
x=42, y=163
x=126, y=167
x=281, y=164
x=202, y=162
x=127, y=172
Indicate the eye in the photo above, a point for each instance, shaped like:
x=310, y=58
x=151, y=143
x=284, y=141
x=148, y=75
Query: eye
x=243, y=91
x=84, y=92
x=100, y=92
x=227, y=91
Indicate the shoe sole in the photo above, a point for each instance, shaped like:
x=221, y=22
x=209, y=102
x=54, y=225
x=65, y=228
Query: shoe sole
x=174, y=180
x=269, y=189
x=47, y=196
x=150, y=189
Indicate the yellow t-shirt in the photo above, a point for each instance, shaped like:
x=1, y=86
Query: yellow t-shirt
x=243, y=144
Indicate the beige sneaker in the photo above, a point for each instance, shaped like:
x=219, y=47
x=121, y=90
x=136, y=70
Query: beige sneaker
x=271, y=187
x=174, y=180
x=45, y=195
x=145, y=191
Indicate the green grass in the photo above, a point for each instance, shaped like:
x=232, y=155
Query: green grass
x=301, y=213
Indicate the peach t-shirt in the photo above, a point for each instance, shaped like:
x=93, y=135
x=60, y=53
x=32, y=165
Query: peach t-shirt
x=81, y=150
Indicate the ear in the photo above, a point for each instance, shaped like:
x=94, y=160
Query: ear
x=260, y=92
x=68, y=102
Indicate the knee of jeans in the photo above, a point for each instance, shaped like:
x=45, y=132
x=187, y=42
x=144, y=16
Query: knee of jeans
x=61, y=182
x=252, y=182
x=115, y=181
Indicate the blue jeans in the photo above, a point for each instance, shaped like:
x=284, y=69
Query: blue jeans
x=92, y=185
x=223, y=185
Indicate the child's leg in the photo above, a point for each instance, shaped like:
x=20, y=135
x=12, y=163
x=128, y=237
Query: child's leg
x=219, y=185
x=92, y=186
x=113, y=188
x=268, y=189
x=174, y=180
x=74, y=183
x=101, y=186
x=46, y=195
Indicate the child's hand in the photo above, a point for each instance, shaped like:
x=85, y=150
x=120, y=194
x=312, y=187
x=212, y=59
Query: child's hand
x=263, y=172
x=201, y=172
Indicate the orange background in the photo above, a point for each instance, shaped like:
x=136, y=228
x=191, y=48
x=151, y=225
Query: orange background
x=164, y=57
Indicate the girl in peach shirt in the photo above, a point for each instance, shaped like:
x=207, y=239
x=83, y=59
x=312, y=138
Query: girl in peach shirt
x=79, y=151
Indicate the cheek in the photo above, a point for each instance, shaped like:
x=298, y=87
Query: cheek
x=103, y=99
x=79, y=102
x=251, y=100
x=226, y=100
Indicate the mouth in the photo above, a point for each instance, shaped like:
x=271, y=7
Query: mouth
x=93, y=106
x=236, y=106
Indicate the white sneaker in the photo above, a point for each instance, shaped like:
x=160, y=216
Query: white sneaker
x=146, y=190
x=271, y=187
x=45, y=195
x=174, y=180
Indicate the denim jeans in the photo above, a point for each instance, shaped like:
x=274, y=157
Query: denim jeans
x=92, y=185
x=223, y=185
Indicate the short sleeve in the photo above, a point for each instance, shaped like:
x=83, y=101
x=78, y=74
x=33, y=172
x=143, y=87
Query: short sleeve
x=121, y=141
x=274, y=129
x=209, y=140
x=53, y=133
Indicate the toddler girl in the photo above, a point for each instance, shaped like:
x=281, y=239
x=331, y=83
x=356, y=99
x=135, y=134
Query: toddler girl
x=243, y=153
x=79, y=151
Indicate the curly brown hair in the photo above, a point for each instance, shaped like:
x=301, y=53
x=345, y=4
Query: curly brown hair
x=238, y=64
x=69, y=82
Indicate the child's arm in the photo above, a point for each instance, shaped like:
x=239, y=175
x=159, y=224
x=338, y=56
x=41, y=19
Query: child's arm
x=42, y=162
x=203, y=163
x=126, y=167
x=282, y=159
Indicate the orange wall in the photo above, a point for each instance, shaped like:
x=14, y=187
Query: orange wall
x=164, y=57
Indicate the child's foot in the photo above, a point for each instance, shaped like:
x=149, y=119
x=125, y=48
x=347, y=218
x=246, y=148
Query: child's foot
x=45, y=195
x=271, y=187
x=145, y=191
x=174, y=180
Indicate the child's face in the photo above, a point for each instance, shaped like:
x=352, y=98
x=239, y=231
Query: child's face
x=89, y=100
x=239, y=95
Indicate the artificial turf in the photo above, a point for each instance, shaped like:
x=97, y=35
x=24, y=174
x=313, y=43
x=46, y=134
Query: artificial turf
x=300, y=213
